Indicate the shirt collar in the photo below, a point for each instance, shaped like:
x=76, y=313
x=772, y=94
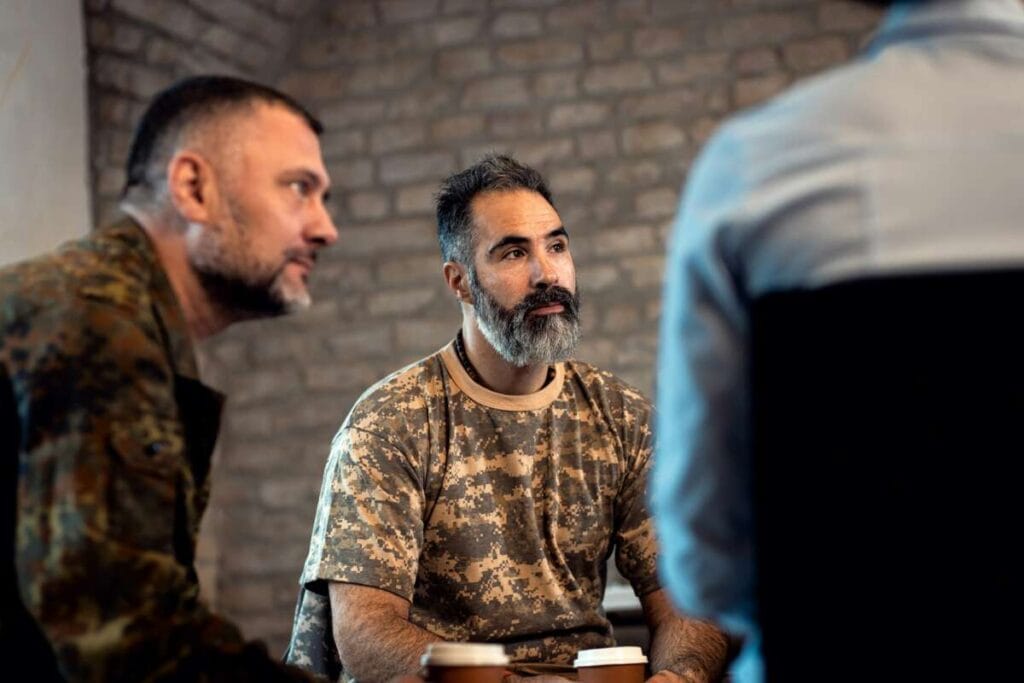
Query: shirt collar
x=910, y=20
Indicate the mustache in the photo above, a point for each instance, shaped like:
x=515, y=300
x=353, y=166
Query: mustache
x=548, y=296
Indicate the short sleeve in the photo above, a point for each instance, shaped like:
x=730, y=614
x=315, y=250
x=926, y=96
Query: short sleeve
x=369, y=520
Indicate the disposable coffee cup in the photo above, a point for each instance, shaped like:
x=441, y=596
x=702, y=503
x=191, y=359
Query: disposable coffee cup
x=611, y=665
x=464, y=663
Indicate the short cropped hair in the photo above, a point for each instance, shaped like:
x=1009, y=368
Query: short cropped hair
x=493, y=173
x=189, y=102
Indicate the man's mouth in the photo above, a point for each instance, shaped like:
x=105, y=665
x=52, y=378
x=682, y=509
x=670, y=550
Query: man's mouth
x=548, y=309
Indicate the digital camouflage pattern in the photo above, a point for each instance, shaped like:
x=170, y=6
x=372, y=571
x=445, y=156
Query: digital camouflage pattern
x=106, y=440
x=494, y=515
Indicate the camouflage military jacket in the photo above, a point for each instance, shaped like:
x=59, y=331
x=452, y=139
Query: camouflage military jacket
x=493, y=515
x=106, y=440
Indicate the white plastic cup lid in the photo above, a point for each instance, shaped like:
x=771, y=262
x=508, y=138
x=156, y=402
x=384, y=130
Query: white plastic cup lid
x=610, y=656
x=464, y=654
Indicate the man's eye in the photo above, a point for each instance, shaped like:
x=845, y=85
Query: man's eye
x=301, y=187
x=514, y=253
x=559, y=246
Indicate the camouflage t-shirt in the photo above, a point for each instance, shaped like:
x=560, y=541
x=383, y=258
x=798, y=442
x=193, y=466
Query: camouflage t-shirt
x=494, y=515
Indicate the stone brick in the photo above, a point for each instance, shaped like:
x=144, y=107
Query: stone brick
x=572, y=181
x=583, y=15
x=622, y=318
x=644, y=271
x=128, y=76
x=496, y=93
x=655, y=42
x=847, y=15
x=756, y=61
x=394, y=236
x=595, y=278
x=353, y=15
x=597, y=144
x=294, y=8
x=657, y=203
x=245, y=18
x=431, y=333
x=406, y=270
x=671, y=9
x=421, y=103
x=540, y=154
x=459, y=64
x=368, y=205
x=457, y=31
x=259, y=385
x=703, y=128
x=625, y=239
x=556, y=85
x=606, y=47
x=460, y=127
x=328, y=84
x=615, y=78
x=110, y=181
x=397, y=136
x=678, y=102
x=460, y=6
x=176, y=18
x=626, y=11
x=338, y=376
x=516, y=25
x=416, y=200
x=578, y=114
x=642, y=173
x=760, y=28
x=342, y=143
x=369, y=340
x=695, y=67
x=755, y=89
x=386, y=76
x=816, y=53
x=405, y=168
x=345, y=113
x=516, y=124
x=657, y=136
x=399, y=301
x=117, y=36
x=397, y=11
x=351, y=173
x=114, y=110
x=540, y=53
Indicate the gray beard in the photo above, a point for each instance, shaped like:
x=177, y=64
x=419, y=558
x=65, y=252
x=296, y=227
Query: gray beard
x=521, y=338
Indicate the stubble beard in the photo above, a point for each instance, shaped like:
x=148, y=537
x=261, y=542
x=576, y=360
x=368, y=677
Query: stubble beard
x=235, y=279
x=522, y=338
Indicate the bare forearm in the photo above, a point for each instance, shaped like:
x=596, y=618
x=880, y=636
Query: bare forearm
x=695, y=650
x=375, y=639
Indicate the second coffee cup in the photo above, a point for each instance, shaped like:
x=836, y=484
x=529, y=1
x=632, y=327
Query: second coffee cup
x=611, y=665
x=464, y=663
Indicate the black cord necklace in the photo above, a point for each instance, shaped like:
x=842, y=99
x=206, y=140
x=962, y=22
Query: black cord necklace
x=460, y=352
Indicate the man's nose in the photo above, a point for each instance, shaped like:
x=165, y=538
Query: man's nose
x=321, y=229
x=544, y=272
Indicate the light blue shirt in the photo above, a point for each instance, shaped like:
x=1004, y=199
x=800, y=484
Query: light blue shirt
x=909, y=158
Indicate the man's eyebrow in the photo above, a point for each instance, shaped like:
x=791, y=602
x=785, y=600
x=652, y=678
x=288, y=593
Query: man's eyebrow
x=560, y=231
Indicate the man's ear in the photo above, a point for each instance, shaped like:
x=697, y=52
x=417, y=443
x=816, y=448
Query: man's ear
x=190, y=186
x=457, y=279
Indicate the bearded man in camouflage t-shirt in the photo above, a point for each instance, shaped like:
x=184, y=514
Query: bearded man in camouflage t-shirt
x=477, y=494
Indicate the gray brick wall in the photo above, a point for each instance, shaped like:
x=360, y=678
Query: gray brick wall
x=611, y=99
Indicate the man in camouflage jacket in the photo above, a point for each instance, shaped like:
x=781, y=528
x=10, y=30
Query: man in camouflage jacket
x=107, y=431
x=477, y=494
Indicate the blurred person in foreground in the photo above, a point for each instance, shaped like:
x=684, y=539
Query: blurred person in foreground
x=476, y=495
x=905, y=162
x=107, y=430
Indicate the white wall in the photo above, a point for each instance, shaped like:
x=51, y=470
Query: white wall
x=44, y=196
